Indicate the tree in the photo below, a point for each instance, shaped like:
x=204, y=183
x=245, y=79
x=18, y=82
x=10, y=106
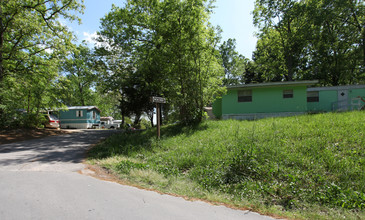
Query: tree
x=233, y=63
x=336, y=43
x=283, y=19
x=168, y=49
x=30, y=31
x=108, y=103
x=117, y=75
x=269, y=56
x=80, y=77
x=311, y=40
x=36, y=87
x=237, y=68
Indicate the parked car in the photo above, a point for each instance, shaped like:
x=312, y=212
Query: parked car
x=108, y=122
x=104, y=124
x=51, y=121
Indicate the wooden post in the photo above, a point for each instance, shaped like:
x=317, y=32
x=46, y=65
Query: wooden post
x=158, y=101
x=158, y=120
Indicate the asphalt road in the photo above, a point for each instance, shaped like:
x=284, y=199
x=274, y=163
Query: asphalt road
x=39, y=179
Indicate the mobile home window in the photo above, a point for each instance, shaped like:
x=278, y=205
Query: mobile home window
x=287, y=94
x=245, y=96
x=79, y=113
x=313, y=96
x=94, y=115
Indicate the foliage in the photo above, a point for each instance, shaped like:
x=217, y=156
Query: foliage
x=338, y=41
x=234, y=64
x=237, y=68
x=297, y=164
x=31, y=39
x=145, y=124
x=311, y=40
x=37, y=87
x=164, y=48
x=108, y=103
x=80, y=77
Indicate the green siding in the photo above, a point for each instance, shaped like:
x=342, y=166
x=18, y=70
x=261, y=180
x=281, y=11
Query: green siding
x=354, y=93
x=266, y=100
x=326, y=99
x=69, y=116
x=87, y=116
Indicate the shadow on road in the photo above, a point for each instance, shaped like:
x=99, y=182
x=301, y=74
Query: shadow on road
x=68, y=148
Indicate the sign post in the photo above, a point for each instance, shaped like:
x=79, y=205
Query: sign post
x=158, y=101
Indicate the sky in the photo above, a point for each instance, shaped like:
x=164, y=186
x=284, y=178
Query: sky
x=233, y=16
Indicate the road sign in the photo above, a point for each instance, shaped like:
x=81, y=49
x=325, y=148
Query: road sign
x=155, y=99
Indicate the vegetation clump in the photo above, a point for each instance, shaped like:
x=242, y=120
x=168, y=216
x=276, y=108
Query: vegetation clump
x=288, y=165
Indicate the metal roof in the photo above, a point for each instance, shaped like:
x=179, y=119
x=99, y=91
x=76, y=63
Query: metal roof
x=330, y=88
x=275, y=84
x=83, y=107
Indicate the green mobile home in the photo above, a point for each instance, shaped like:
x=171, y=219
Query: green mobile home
x=336, y=98
x=80, y=117
x=254, y=101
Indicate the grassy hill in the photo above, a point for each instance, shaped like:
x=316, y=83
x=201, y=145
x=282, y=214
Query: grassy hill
x=310, y=166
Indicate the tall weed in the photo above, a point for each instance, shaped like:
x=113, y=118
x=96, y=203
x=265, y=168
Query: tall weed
x=292, y=162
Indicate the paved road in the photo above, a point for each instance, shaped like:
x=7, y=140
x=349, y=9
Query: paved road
x=39, y=180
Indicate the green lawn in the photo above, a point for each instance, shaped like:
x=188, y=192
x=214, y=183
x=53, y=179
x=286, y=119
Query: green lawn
x=310, y=166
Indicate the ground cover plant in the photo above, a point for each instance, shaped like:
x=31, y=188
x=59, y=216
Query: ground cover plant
x=309, y=166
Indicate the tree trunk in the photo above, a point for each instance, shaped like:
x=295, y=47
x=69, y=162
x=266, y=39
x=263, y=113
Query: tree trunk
x=137, y=118
x=123, y=120
x=361, y=29
x=182, y=79
x=1, y=61
x=363, y=47
x=289, y=66
x=81, y=95
x=289, y=55
x=1, y=46
x=166, y=109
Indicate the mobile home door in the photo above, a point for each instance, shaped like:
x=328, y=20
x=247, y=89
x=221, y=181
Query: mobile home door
x=343, y=96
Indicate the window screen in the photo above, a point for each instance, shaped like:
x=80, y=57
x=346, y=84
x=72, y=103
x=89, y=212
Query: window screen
x=287, y=94
x=313, y=96
x=245, y=96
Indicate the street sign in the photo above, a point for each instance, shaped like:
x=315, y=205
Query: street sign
x=155, y=99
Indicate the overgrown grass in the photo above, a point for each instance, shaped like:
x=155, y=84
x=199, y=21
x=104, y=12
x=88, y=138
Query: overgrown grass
x=310, y=166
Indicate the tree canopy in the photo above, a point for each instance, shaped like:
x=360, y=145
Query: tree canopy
x=168, y=49
x=31, y=39
x=311, y=39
